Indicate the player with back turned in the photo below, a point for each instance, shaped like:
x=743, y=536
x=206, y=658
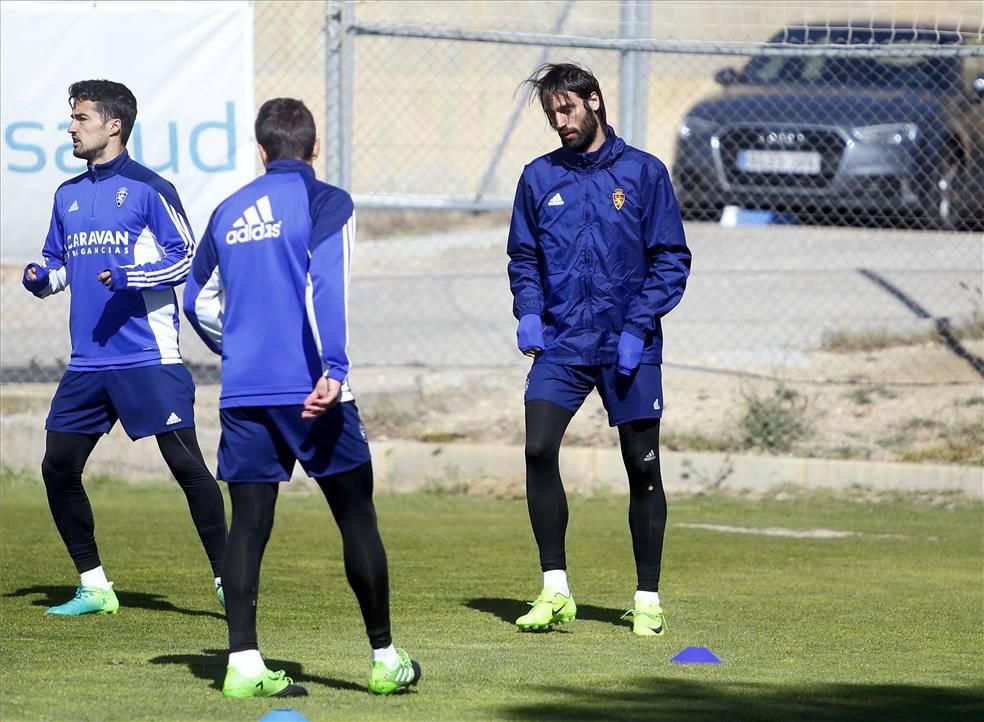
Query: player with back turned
x=120, y=241
x=597, y=256
x=269, y=291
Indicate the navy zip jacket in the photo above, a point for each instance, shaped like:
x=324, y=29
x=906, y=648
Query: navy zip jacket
x=597, y=247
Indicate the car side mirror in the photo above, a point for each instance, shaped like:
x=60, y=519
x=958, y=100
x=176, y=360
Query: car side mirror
x=726, y=76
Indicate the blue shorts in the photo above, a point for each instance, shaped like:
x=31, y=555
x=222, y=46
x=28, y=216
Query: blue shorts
x=626, y=398
x=261, y=443
x=148, y=400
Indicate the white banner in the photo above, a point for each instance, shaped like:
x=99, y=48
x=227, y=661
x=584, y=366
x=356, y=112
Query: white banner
x=190, y=66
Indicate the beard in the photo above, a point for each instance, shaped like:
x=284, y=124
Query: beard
x=90, y=152
x=582, y=140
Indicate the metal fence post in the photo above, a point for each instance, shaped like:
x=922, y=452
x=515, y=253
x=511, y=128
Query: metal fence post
x=640, y=107
x=333, y=138
x=346, y=92
x=627, y=74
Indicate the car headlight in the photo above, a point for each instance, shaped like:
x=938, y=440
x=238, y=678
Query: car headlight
x=889, y=134
x=694, y=126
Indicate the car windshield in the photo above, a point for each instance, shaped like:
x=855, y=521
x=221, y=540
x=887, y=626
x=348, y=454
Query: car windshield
x=885, y=72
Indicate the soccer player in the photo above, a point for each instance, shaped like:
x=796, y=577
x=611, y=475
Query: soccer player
x=119, y=239
x=269, y=291
x=597, y=257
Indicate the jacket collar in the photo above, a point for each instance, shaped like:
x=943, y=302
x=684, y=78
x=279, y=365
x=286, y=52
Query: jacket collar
x=609, y=151
x=290, y=166
x=102, y=171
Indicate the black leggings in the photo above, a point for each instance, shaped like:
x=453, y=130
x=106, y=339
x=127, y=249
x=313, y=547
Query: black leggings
x=545, y=426
x=350, y=497
x=64, y=459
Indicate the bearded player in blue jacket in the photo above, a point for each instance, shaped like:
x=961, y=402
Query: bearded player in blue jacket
x=597, y=257
x=119, y=240
x=269, y=291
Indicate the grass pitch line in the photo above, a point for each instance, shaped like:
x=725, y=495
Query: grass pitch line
x=794, y=533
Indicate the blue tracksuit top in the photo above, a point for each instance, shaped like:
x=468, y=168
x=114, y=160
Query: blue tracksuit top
x=596, y=246
x=123, y=217
x=268, y=287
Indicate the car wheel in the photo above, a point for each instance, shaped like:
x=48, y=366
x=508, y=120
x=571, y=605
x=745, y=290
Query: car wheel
x=946, y=209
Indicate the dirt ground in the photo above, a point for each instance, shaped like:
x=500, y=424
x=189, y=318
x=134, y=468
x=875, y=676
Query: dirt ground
x=852, y=415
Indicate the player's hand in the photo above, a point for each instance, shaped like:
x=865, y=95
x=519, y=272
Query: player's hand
x=529, y=336
x=35, y=278
x=114, y=280
x=629, y=352
x=324, y=395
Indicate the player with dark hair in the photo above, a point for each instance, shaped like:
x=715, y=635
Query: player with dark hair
x=120, y=239
x=285, y=392
x=597, y=257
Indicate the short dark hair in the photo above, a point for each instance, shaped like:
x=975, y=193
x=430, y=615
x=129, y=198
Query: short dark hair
x=112, y=100
x=562, y=78
x=285, y=129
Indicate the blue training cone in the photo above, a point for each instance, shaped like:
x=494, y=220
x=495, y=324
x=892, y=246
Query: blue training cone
x=284, y=715
x=696, y=655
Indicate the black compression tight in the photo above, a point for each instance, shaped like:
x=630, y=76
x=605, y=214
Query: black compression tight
x=545, y=426
x=350, y=497
x=253, y=507
x=184, y=459
x=545, y=498
x=647, y=500
x=64, y=460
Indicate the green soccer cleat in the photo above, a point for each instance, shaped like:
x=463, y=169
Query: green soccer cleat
x=88, y=600
x=265, y=684
x=220, y=594
x=550, y=608
x=386, y=680
x=647, y=619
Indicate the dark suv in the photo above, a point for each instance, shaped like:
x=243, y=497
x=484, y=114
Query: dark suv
x=832, y=135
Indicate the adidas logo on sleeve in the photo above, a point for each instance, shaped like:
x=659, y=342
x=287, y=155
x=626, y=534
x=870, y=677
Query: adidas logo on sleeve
x=255, y=224
x=556, y=200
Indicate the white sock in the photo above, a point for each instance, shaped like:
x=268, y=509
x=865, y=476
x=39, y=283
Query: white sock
x=651, y=597
x=556, y=579
x=95, y=578
x=386, y=655
x=218, y=582
x=248, y=663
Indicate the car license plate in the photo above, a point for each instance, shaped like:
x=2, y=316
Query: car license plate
x=779, y=161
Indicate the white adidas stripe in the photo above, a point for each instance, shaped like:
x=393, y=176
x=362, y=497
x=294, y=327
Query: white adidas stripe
x=254, y=215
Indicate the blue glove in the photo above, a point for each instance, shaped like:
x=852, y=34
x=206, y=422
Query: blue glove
x=629, y=352
x=530, y=334
x=40, y=283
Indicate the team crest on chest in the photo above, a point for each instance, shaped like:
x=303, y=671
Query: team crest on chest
x=121, y=196
x=618, y=198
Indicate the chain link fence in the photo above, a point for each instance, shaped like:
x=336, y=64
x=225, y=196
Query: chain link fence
x=829, y=161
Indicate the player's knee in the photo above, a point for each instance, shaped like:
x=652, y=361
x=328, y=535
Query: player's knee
x=57, y=471
x=541, y=451
x=644, y=479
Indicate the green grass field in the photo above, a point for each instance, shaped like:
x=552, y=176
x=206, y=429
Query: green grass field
x=887, y=625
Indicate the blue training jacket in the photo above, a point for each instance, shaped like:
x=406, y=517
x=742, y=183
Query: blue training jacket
x=596, y=246
x=123, y=217
x=268, y=287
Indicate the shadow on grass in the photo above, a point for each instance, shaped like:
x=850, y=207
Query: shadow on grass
x=210, y=665
x=52, y=595
x=509, y=609
x=657, y=699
